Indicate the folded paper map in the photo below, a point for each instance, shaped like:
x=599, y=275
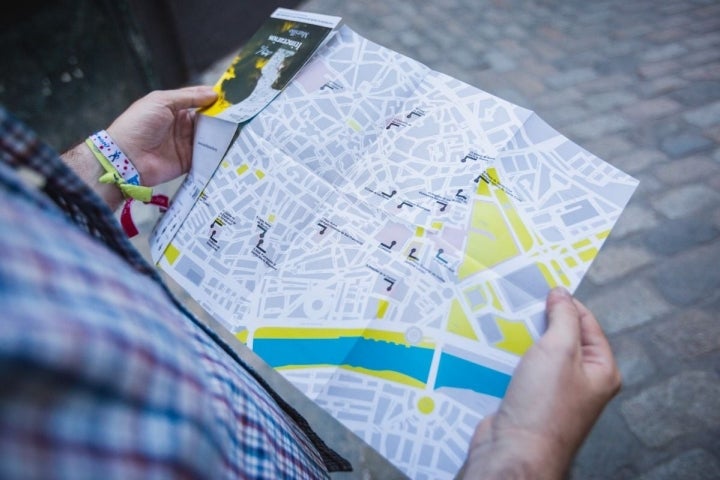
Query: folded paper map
x=385, y=235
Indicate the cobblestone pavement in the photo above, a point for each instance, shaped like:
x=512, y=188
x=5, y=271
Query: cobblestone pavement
x=637, y=83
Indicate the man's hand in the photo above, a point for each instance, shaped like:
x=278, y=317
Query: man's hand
x=156, y=132
x=556, y=394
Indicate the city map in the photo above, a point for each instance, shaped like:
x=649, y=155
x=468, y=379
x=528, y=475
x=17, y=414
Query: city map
x=384, y=236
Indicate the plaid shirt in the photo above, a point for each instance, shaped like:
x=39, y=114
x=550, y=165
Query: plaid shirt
x=103, y=374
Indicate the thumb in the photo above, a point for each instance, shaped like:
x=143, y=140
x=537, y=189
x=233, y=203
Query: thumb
x=189, y=97
x=563, y=318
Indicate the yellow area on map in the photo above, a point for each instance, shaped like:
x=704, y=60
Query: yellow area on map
x=242, y=169
x=298, y=332
x=382, y=308
x=588, y=255
x=426, y=405
x=242, y=335
x=484, y=187
x=392, y=337
x=586, y=251
x=334, y=333
x=496, y=229
x=547, y=274
x=492, y=245
x=352, y=123
x=459, y=323
x=585, y=248
x=560, y=273
x=495, y=299
x=516, y=336
x=259, y=174
x=387, y=375
x=581, y=243
x=521, y=232
x=171, y=253
x=486, y=216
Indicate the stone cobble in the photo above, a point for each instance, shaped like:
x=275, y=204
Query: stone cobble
x=700, y=334
x=680, y=235
x=691, y=277
x=696, y=464
x=698, y=394
x=626, y=305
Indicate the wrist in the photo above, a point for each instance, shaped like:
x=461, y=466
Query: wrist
x=117, y=166
x=81, y=160
x=515, y=455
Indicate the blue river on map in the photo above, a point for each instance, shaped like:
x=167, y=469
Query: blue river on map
x=376, y=355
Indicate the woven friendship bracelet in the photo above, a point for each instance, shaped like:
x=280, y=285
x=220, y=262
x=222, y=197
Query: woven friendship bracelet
x=121, y=171
x=116, y=157
x=118, y=167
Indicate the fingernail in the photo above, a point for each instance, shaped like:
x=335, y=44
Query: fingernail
x=562, y=291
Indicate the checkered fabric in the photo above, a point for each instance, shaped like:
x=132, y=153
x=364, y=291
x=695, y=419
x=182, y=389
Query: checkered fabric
x=102, y=373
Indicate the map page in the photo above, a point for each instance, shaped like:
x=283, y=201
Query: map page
x=384, y=236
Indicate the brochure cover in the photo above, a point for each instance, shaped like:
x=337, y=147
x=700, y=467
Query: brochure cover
x=268, y=61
